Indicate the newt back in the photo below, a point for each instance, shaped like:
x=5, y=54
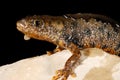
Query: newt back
x=91, y=30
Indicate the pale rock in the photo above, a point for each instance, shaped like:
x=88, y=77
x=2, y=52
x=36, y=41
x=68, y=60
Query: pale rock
x=97, y=65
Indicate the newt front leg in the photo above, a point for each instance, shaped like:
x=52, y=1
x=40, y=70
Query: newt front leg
x=70, y=65
x=57, y=49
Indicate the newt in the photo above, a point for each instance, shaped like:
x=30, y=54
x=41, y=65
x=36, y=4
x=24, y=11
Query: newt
x=73, y=32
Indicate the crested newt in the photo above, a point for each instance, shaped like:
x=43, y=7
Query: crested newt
x=73, y=32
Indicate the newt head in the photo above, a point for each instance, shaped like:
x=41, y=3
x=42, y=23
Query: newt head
x=30, y=26
x=40, y=27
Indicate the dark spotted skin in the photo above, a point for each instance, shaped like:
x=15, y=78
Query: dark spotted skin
x=93, y=32
x=73, y=32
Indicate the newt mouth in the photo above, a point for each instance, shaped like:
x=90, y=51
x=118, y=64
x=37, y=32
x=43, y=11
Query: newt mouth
x=21, y=24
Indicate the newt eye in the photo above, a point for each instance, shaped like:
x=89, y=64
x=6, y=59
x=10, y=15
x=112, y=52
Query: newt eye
x=38, y=23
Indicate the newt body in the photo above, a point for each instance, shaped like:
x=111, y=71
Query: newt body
x=73, y=32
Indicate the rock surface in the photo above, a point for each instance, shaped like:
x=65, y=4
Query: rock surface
x=98, y=65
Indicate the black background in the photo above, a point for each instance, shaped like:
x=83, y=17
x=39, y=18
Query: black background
x=12, y=45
